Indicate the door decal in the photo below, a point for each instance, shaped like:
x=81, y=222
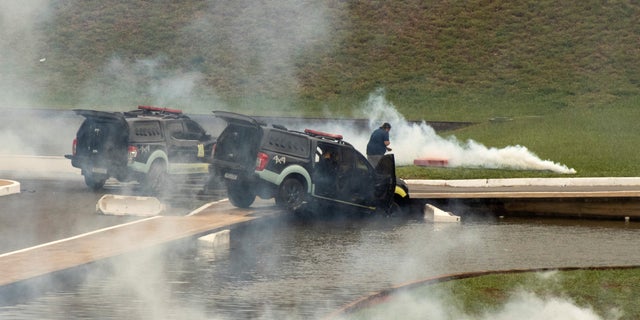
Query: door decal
x=280, y=160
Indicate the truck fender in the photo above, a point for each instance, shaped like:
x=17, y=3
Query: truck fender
x=295, y=169
x=158, y=154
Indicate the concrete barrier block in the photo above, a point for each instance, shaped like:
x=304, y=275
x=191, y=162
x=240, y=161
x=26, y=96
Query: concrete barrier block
x=8, y=187
x=434, y=214
x=111, y=204
x=218, y=239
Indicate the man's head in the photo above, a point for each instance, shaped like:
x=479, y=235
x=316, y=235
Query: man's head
x=386, y=126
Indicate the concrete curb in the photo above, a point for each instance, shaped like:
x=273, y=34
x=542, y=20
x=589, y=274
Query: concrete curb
x=8, y=187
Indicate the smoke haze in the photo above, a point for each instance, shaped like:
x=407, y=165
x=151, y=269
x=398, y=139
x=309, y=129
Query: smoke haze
x=264, y=40
x=411, y=141
x=125, y=82
x=522, y=305
x=123, y=85
x=20, y=51
x=279, y=34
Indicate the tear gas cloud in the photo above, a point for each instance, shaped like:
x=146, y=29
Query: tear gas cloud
x=411, y=141
x=124, y=84
x=19, y=49
x=521, y=305
x=266, y=39
x=22, y=56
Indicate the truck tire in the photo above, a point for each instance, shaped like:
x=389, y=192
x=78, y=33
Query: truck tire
x=156, y=181
x=291, y=194
x=240, y=194
x=95, y=182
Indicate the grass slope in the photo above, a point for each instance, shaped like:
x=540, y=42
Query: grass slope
x=562, y=54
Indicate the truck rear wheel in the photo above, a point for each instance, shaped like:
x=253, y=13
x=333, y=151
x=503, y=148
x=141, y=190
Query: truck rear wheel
x=240, y=194
x=157, y=181
x=94, y=182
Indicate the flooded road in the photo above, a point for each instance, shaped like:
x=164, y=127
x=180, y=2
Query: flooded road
x=52, y=209
x=305, y=268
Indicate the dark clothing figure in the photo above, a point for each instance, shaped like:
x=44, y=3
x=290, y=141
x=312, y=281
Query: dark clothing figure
x=378, y=144
x=326, y=174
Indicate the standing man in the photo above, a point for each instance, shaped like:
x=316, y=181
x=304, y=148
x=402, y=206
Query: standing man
x=378, y=144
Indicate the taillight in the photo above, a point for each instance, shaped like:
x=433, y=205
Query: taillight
x=213, y=150
x=132, y=153
x=261, y=161
x=74, y=146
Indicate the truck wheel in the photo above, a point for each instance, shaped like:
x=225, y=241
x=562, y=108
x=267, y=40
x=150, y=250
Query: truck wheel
x=389, y=210
x=157, y=181
x=401, y=202
x=240, y=194
x=395, y=208
x=94, y=182
x=291, y=194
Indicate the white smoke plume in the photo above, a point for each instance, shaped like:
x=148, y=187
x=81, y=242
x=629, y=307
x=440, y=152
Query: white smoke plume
x=20, y=51
x=123, y=84
x=522, y=305
x=411, y=141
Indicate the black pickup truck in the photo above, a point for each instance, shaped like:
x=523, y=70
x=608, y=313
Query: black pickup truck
x=301, y=169
x=149, y=145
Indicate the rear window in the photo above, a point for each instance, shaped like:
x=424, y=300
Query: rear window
x=146, y=131
x=239, y=144
x=288, y=143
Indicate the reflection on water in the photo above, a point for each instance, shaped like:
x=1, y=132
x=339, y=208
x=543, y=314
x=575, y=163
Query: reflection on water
x=301, y=268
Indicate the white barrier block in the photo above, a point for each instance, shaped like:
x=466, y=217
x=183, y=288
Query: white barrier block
x=8, y=187
x=218, y=239
x=214, y=246
x=111, y=204
x=434, y=214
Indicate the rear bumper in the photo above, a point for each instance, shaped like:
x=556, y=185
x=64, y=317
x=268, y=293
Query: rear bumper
x=222, y=168
x=88, y=165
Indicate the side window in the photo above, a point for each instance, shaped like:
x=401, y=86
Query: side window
x=354, y=162
x=327, y=160
x=193, y=130
x=326, y=153
x=288, y=143
x=362, y=164
x=175, y=129
x=146, y=131
x=347, y=160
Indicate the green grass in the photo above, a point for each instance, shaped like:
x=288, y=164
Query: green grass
x=595, y=141
x=606, y=292
x=427, y=55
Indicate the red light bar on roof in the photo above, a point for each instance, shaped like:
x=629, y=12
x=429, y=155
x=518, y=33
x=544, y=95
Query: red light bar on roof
x=159, y=109
x=323, y=134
